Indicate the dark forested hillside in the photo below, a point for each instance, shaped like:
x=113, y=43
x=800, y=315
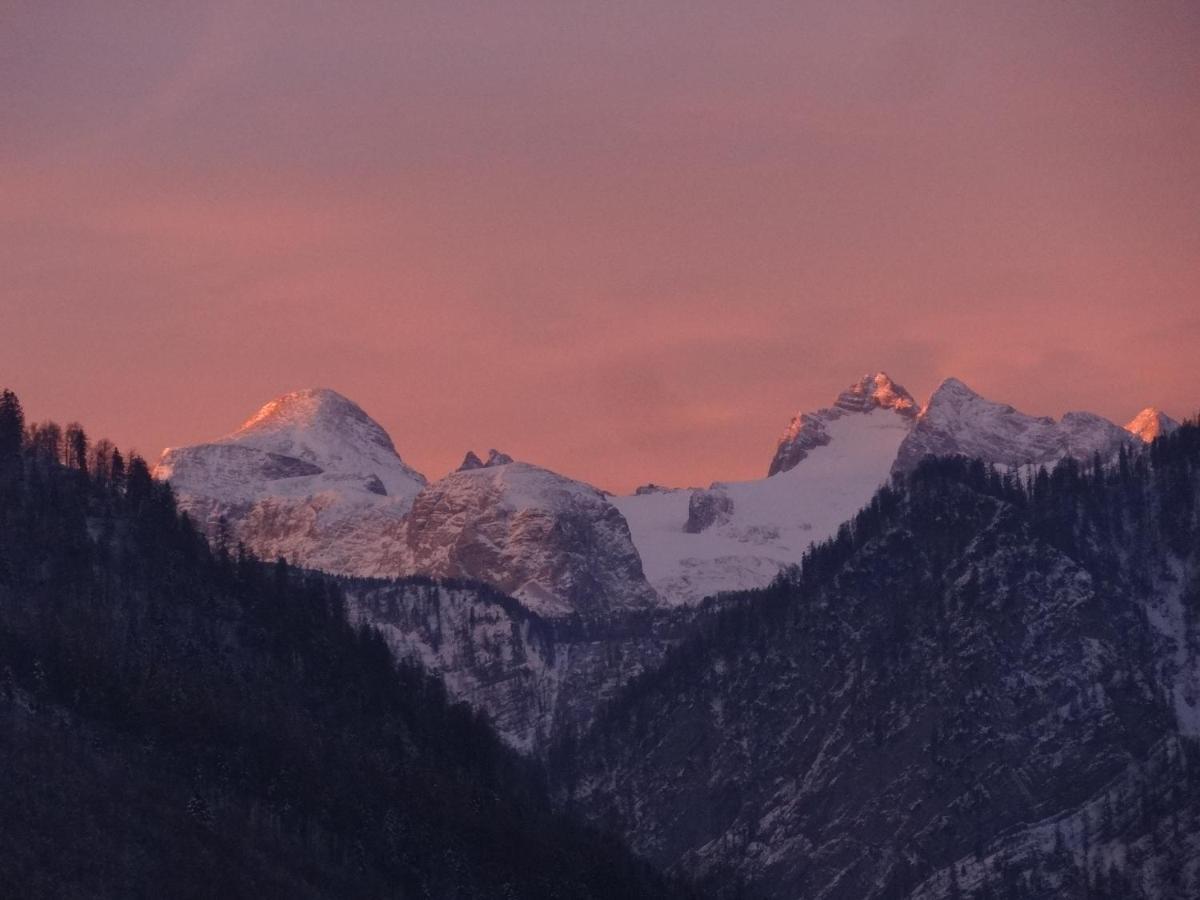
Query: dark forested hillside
x=181, y=721
x=984, y=686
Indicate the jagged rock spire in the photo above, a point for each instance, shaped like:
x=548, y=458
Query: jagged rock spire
x=472, y=460
x=807, y=430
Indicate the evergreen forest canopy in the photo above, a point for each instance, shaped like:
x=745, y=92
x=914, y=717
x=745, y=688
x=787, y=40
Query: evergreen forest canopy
x=977, y=651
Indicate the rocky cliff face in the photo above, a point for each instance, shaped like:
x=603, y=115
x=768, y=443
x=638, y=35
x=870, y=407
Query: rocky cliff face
x=708, y=508
x=975, y=689
x=537, y=679
x=807, y=431
x=555, y=544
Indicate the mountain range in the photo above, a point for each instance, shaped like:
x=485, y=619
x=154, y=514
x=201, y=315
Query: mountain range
x=549, y=595
x=937, y=651
x=312, y=478
x=983, y=686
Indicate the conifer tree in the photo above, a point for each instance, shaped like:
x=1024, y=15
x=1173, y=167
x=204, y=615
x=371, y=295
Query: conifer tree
x=12, y=425
x=75, y=447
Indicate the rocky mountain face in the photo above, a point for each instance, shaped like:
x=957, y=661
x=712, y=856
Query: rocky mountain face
x=538, y=679
x=807, y=431
x=181, y=723
x=472, y=461
x=557, y=545
x=977, y=689
x=958, y=421
x=311, y=477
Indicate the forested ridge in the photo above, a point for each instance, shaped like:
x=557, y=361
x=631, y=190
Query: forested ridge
x=984, y=685
x=184, y=720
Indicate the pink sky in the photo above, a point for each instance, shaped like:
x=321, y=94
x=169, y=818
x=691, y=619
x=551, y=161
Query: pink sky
x=625, y=241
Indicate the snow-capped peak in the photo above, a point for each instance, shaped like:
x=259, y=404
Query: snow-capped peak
x=957, y=420
x=807, y=431
x=325, y=428
x=312, y=410
x=953, y=394
x=1150, y=423
x=310, y=476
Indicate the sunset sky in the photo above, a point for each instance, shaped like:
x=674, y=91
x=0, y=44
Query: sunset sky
x=625, y=241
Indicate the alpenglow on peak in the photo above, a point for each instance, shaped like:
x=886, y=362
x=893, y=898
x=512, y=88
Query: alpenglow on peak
x=310, y=477
x=1150, y=423
x=319, y=409
x=807, y=431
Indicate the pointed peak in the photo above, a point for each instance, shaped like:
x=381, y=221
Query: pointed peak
x=874, y=390
x=470, y=461
x=953, y=386
x=953, y=396
x=1150, y=423
x=494, y=458
x=807, y=431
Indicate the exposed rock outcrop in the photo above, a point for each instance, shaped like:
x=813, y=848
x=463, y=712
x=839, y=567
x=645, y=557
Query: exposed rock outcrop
x=557, y=545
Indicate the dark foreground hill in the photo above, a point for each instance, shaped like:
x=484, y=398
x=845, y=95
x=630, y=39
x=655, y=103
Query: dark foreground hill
x=984, y=686
x=177, y=721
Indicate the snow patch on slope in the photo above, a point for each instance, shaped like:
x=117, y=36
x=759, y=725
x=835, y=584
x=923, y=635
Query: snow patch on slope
x=772, y=520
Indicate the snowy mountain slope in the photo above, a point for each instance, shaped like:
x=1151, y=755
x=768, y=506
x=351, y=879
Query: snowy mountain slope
x=959, y=421
x=766, y=524
x=296, y=445
x=557, y=545
x=310, y=477
x=738, y=535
